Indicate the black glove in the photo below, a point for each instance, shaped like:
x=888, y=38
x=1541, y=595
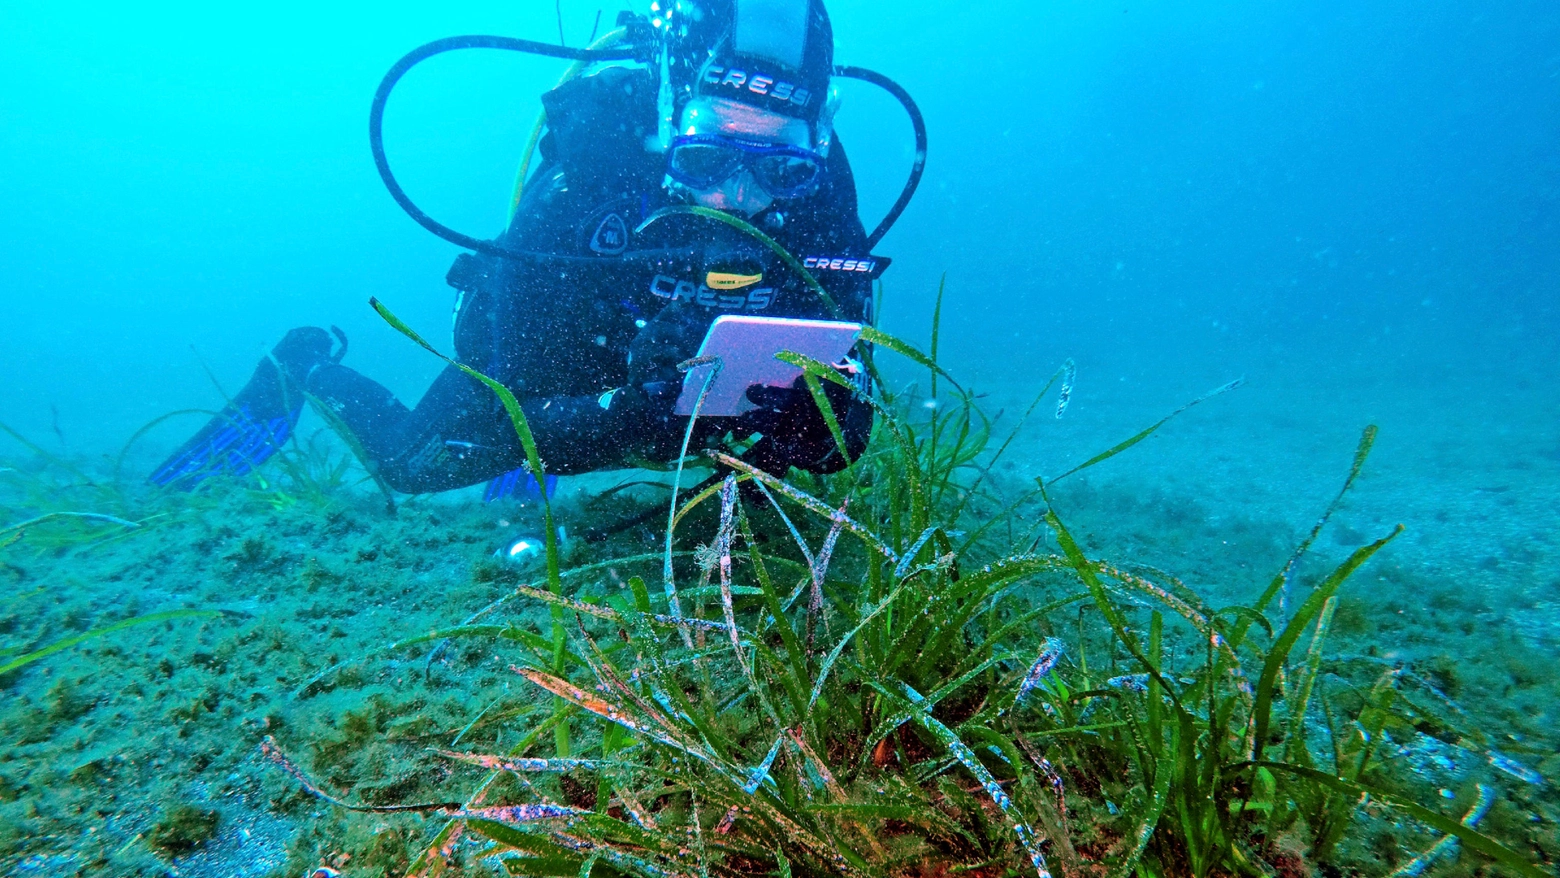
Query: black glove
x=795, y=432
x=776, y=401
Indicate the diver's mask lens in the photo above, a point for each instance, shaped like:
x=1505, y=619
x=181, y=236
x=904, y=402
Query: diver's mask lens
x=704, y=161
x=702, y=165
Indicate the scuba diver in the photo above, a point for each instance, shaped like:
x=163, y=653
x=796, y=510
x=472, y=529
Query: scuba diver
x=604, y=281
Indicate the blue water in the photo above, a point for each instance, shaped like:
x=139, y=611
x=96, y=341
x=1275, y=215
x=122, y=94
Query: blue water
x=1209, y=185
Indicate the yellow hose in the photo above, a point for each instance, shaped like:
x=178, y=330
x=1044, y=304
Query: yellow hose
x=607, y=41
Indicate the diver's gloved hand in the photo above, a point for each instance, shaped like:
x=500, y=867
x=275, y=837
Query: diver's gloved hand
x=774, y=403
x=660, y=394
x=305, y=349
x=795, y=432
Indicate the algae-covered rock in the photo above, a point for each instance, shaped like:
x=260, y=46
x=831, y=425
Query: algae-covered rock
x=91, y=772
x=66, y=702
x=388, y=854
x=182, y=829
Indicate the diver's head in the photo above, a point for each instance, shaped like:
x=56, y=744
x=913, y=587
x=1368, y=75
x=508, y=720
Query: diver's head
x=746, y=102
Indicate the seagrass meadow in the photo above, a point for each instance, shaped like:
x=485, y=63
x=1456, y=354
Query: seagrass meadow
x=928, y=664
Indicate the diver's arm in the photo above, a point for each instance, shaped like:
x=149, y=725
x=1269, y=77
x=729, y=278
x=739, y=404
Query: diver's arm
x=584, y=433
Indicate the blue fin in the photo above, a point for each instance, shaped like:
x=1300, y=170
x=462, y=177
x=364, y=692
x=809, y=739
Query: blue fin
x=519, y=484
x=233, y=443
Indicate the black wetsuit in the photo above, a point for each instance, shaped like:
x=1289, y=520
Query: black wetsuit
x=601, y=305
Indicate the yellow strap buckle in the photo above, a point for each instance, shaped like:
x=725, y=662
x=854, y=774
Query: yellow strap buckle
x=725, y=280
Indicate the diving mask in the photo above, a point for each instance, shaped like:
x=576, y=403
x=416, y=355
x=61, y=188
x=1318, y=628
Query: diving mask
x=704, y=161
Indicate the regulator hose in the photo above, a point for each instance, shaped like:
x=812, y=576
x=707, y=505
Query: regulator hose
x=916, y=122
x=376, y=117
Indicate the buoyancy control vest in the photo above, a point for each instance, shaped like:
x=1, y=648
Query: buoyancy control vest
x=602, y=287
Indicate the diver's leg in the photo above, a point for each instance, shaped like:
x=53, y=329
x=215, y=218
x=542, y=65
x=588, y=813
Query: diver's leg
x=258, y=419
x=458, y=435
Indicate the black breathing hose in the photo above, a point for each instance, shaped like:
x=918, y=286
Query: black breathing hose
x=916, y=122
x=376, y=117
